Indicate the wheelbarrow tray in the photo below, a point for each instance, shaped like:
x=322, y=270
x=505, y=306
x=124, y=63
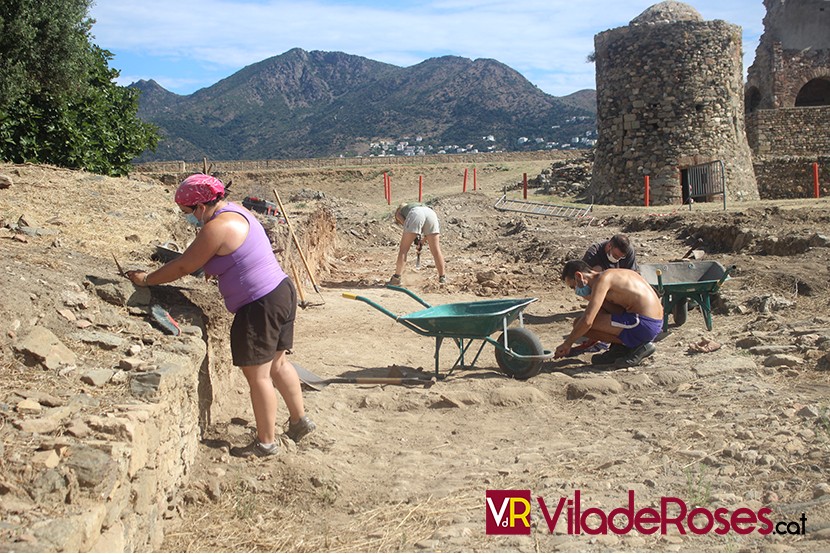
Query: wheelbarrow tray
x=467, y=319
x=680, y=282
x=686, y=276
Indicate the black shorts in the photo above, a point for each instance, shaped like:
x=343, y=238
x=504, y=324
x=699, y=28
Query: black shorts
x=264, y=327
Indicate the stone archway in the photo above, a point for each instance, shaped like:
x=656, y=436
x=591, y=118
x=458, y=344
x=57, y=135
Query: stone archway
x=815, y=92
x=752, y=99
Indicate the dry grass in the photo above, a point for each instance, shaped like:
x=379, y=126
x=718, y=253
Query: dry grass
x=242, y=521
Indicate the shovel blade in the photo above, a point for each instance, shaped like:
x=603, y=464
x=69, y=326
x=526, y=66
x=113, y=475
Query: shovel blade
x=315, y=382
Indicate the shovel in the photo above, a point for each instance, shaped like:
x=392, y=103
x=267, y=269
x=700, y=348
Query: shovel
x=316, y=382
x=419, y=244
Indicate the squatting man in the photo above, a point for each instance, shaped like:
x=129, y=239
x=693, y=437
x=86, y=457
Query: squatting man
x=623, y=309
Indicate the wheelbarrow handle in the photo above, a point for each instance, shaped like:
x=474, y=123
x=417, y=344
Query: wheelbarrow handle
x=659, y=280
x=378, y=307
x=411, y=294
x=372, y=303
x=725, y=275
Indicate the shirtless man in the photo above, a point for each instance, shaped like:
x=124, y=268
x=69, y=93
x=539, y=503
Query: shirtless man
x=623, y=309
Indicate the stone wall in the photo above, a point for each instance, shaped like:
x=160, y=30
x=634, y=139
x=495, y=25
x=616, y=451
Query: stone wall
x=100, y=471
x=791, y=176
x=794, y=49
x=789, y=132
x=669, y=95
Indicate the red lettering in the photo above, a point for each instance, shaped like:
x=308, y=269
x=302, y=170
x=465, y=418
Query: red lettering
x=577, y=515
x=627, y=512
x=720, y=516
x=551, y=522
x=646, y=516
x=603, y=524
x=665, y=520
x=766, y=528
x=743, y=516
x=710, y=521
x=570, y=521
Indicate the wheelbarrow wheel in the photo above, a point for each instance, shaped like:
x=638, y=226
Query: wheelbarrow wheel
x=680, y=312
x=521, y=341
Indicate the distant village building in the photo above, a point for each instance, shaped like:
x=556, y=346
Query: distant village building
x=669, y=97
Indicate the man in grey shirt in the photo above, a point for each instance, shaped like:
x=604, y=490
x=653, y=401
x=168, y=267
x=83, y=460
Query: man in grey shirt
x=614, y=253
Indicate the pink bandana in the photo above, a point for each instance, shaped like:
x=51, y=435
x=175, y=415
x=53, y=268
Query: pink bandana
x=199, y=189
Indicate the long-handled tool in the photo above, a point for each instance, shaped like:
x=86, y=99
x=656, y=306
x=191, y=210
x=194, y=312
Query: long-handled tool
x=419, y=244
x=297, y=243
x=318, y=383
x=302, y=303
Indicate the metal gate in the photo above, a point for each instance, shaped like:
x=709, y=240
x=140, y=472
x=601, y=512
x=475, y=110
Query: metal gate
x=505, y=204
x=703, y=181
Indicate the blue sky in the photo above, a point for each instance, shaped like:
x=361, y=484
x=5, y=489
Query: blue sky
x=185, y=45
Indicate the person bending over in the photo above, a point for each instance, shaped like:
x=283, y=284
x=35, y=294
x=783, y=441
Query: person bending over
x=623, y=309
x=418, y=220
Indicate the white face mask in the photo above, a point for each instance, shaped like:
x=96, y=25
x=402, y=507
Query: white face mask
x=611, y=258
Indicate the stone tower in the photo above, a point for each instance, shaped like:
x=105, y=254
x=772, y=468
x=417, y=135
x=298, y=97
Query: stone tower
x=670, y=96
x=792, y=61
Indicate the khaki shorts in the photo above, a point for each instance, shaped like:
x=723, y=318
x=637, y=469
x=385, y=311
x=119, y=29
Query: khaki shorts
x=265, y=326
x=422, y=221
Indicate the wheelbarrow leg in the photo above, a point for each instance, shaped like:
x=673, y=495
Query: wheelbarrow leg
x=706, y=308
x=438, y=341
x=460, y=360
x=666, y=311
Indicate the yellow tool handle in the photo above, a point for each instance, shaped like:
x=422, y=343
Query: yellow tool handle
x=350, y=295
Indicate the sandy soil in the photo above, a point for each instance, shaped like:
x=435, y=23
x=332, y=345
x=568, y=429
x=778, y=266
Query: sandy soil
x=407, y=468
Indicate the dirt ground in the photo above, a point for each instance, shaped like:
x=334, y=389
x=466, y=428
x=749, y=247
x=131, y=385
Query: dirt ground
x=407, y=468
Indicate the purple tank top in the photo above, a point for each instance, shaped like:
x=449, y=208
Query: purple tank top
x=249, y=272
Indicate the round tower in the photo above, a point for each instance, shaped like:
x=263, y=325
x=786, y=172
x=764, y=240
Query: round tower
x=669, y=102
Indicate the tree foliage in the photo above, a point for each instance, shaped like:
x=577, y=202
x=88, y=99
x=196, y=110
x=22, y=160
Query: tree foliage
x=59, y=103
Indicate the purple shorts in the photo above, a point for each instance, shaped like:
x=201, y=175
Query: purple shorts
x=636, y=329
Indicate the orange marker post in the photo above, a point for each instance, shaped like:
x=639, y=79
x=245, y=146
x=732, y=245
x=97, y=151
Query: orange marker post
x=464, y=188
x=475, y=185
x=385, y=188
x=524, y=186
x=648, y=191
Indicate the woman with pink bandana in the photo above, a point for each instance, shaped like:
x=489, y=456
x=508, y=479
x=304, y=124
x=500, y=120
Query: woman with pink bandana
x=232, y=245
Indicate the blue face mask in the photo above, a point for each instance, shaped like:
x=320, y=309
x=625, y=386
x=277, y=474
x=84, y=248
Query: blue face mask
x=193, y=220
x=583, y=291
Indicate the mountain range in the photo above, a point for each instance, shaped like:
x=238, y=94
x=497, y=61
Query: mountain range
x=314, y=104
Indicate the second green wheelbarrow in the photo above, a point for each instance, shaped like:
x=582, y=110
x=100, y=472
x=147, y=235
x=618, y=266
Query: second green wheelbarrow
x=519, y=354
x=679, y=283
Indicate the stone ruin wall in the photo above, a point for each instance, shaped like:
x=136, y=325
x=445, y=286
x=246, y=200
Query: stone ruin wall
x=669, y=96
x=790, y=132
x=114, y=475
x=791, y=176
x=786, y=140
x=121, y=468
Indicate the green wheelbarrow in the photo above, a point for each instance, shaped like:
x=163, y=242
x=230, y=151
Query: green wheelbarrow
x=519, y=354
x=678, y=283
